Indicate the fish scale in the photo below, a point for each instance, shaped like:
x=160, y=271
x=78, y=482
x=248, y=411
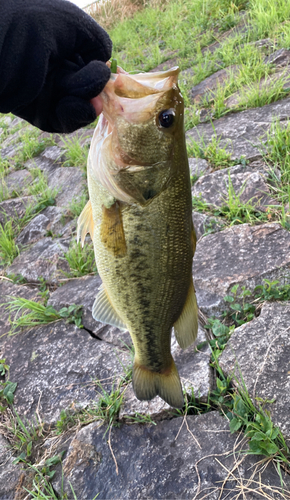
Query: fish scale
x=139, y=217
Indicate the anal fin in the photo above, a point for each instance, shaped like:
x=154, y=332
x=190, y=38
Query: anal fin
x=103, y=311
x=185, y=328
x=85, y=223
x=112, y=231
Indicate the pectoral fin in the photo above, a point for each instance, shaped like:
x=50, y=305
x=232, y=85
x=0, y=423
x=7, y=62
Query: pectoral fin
x=185, y=328
x=103, y=311
x=112, y=231
x=85, y=223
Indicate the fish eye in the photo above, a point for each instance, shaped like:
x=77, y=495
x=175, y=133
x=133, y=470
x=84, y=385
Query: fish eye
x=166, y=118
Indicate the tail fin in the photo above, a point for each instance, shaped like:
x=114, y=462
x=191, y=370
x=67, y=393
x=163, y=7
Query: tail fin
x=148, y=384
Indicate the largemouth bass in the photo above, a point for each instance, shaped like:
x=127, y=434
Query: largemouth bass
x=139, y=217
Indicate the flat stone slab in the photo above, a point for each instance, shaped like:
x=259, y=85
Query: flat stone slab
x=53, y=220
x=260, y=351
x=83, y=291
x=47, y=161
x=70, y=182
x=45, y=258
x=173, y=459
x=241, y=254
x=10, y=474
x=14, y=208
x=206, y=90
x=58, y=366
x=198, y=167
x=15, y=182
x=239, y=182
x=242, y=134
x=206, y=224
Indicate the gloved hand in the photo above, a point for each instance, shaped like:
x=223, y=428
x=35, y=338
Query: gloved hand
x=52, y=62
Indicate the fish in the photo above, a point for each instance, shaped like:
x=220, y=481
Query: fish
x=139, y=216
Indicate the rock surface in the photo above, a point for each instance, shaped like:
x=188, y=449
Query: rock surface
x=204, y=224
x=260, y=352
x=243, y=134
x=238, y=182
x=44, y=259
x=59, y=366
x=10, y=474
x=70, y=183
x=243, y=255
x=83, y=292
x=170, y=460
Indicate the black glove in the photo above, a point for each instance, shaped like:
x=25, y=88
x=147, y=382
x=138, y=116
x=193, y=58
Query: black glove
x=52, y=62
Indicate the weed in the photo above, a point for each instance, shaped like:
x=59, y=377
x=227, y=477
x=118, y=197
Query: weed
x=212, y=152
x=272, y=290
x=76, y=206
x=7, y=388
x=242, y=312
x=39, y=314
x=277, y=154
x=8, y=248
x=76, y=154
x=81, y=260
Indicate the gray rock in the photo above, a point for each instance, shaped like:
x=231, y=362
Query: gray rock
x=59, y=366
x=10, y=474
x=83, y=291
x=11, y=151
x=193, y=367
x=242, y=134
x=51, y=219
x=243, y=255
x=70, y=182
x=198, y=167
x=9, y=289
x=205, y=224
x=14, y=208
x=169, y=460
x=53, y=153
x=280, y=58
x=260, y=352
x=242, y=182
x=47, y=161
x=15, y=182
x=45, y=258
x=206, y=90
x=34, y=231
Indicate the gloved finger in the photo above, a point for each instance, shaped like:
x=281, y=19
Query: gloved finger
x=70, y=114
x=88, y=82
x=98, y=104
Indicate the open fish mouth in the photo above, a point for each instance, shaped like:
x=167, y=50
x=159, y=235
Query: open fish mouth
x=141, y=115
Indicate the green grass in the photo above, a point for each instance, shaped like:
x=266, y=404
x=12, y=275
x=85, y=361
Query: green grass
x=217, y=156
x=81, y=260
x=76, y=154
x=8, y=248
x=76, y=207
x=26, y=313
